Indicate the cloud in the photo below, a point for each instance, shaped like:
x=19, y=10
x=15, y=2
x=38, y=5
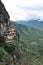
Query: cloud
x=31, y=4
x=24, y=9
x=31, y=8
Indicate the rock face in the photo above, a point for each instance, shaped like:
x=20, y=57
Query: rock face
x=5, y=29
x=4, y=18
x=3, y=11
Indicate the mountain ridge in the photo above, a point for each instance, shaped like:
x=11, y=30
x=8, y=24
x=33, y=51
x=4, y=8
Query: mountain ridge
x=27, y=30
x=33, y=23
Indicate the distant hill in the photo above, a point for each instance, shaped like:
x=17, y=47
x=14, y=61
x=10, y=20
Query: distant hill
x=31, y=42
x=33, y=23
x=27, y=33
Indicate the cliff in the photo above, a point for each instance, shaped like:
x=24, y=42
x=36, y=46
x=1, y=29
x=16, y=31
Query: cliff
x=4, y=12
x=9, y=49
x=5, y=29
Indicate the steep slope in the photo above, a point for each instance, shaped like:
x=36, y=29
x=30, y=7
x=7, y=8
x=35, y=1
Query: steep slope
x=27, y=32
x=3, y=11
x=9, y=43
x=31, y=40
x=33, y=23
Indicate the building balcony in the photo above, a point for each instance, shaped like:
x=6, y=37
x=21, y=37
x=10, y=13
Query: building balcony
x=9, y=35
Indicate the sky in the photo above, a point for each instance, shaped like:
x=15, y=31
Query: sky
x=24, y=9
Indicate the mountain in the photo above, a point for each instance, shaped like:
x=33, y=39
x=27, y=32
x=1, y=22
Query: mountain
x=27, y=31
x=31, y=42
x=33, y=23
x=27, y=46
x=10, y=52
x=3, y=12
x=28, y=34
x=29, y=50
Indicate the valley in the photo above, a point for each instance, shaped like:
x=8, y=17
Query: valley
x=31, y=42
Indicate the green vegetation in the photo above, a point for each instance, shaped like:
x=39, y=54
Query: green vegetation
x=31, y=42
x=27, y=48
x=9, y=52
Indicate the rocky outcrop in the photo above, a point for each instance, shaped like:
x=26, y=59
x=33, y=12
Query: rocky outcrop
x=3, y=12
x=4, y=18
x=5, y=28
